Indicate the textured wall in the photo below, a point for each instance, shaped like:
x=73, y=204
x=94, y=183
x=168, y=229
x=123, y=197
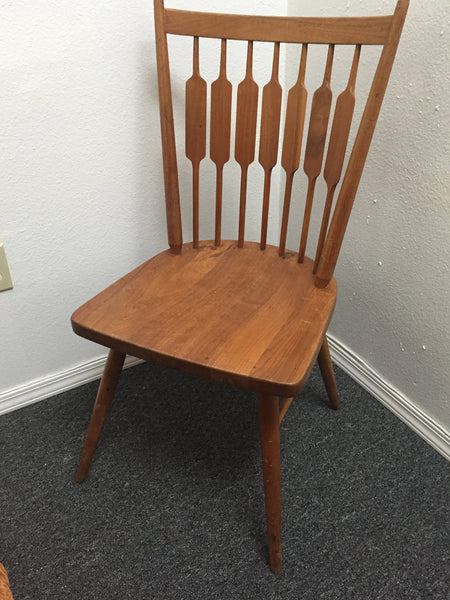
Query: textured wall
x=81, y=178
x=79, y=172
x=393, y=274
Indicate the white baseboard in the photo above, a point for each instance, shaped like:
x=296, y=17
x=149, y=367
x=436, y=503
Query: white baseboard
x=420, y=422
x=400, y=405
x=48, y=386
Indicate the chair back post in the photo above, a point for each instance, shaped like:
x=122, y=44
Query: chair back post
x=341, y=215
x=174, y=229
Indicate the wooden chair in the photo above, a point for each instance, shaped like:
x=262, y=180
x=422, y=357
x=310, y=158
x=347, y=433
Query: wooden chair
x=245, y=313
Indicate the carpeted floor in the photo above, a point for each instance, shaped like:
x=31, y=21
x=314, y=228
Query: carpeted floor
x=173, y=505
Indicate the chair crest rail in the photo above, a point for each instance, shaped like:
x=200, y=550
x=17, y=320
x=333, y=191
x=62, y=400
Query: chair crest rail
x=308, y=30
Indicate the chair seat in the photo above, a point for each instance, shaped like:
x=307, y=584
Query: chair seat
x=242, y=316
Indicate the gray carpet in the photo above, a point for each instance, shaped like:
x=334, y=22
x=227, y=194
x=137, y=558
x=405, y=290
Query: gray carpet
x=173, y=505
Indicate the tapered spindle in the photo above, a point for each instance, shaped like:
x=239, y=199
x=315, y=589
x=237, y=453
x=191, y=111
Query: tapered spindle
x=244, y=152
x=221, y=90
x=337, y=145
x=292, y=142
x=270, y=133
x=195, y=132
x=315, y=144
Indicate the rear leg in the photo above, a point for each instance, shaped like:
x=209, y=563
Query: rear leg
x=326, y=368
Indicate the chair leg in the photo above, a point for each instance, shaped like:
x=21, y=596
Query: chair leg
x=270, y=446
x=326, y=368
x=105, y=395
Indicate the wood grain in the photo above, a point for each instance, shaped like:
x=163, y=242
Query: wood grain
x=270, y=451
x=312, y=30
x=337, y=145
x=111, y=374
x=269, y=136
x=326, y=369
x=5, y=590
x=292, y=142
x=246, y=116
x=221, y=91
x=172, y=194
x=315, y=144
x=220, y=310
x=284, y=406
x=195, y=137
x=236, y=315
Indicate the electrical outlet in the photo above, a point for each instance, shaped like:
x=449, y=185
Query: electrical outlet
x=5, y=275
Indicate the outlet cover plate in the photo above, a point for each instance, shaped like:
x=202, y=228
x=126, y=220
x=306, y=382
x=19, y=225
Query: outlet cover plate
x=5, y=275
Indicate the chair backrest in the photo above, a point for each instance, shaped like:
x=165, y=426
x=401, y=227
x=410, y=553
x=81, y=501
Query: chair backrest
x=355, y=31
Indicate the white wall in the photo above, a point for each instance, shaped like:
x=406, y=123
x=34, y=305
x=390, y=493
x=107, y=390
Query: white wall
x=81, y=199
x=79, y=172
x=81, y=187
x=393, y=271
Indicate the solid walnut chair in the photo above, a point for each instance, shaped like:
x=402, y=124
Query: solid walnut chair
x=244, y=313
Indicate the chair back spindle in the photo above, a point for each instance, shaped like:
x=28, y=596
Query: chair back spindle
x=315, y=144
x=269, y=136
x=246, y=117
x=337, y=145
x=356, y=32
x=293, y=135
x=221, y=90
x=195, y=132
